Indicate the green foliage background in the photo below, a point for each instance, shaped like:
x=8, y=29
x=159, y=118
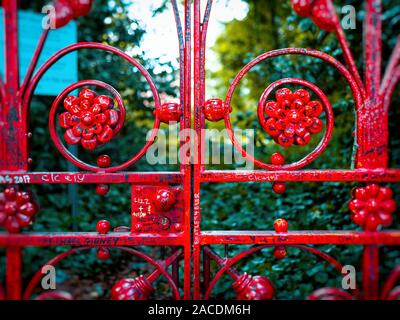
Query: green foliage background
x=252, y=206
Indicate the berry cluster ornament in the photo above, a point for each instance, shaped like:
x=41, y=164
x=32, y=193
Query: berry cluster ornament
x=248, y=287
x=66, y=10
x=292, y=118
x=168, y=112
x=215, y=109
x=17, y=209
x=372, y=206
x=132, y=289
x=90, y=119
x=321, y=12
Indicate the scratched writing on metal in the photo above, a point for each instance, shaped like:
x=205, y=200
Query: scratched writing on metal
x=15, y=179
x=66, y=177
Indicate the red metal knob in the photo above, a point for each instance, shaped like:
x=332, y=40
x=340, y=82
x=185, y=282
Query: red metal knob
x=320, y=11
x=323, y=16
x=103, y=226
x=277, y=159
x=372, y=206
x=279, y=187
x=215, y=109
x=168, y=112
x=63, y=13
x=102, y=189
x=281, y=225
x=253, y=288
x=104, y=161
x=81, y=7
x=280, y=252
x=178, y=227
x=165, y=199
x=132, y=289
x=292, y=118
x=103, y=254
x=302, y=7
x=66, y=10
x=17, y=209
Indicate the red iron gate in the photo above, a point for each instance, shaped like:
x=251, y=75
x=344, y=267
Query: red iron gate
x=165, y=206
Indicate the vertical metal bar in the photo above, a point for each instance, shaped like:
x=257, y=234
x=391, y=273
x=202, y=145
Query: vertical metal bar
x=175, y=268
x=73, y=189
x=372, y=128
x=206, y=271
x=13, y=273
x=371, y=272
x=197, y=151
x=13, y=138
x=373, y=46
x=372, y=121
x=186, y=165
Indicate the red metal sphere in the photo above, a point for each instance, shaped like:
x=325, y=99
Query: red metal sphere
x=178, y=227
x=280, y=252
x=281, y=225
x=66, y=10
x=63, y=13
x=132, y=289
x=17, y=209
x=10, y=193
x=103, y=226
x=320, y=11
x=302, y=7
x=89, y=119
x=81, y=7
x=215, y=109
x=102, y=189
x=103, y=254
x=372, y=206
x=138, y=227
x=322, y=16
x=279, y=187
x=104, y=161
x=292, y=118
x=277, y=159
x=165, y=199
x=168, y=112
x=253, y=288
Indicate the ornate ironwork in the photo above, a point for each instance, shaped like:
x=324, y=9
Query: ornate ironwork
x=172, y=199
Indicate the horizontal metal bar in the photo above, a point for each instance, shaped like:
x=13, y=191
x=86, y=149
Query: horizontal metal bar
x=76, y=239
x=88, y=178
x=373, y=175
x=301, y=237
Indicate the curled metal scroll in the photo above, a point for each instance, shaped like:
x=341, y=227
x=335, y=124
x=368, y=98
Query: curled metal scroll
x=38, y=275
x=92, y=45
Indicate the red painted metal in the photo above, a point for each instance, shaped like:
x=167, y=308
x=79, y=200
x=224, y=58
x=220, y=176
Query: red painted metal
x=371, y=99
x=155, y=209
x=165, y=206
